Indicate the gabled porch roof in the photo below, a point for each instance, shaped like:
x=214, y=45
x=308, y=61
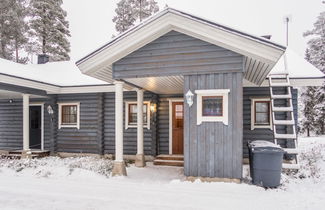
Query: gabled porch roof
x=260, y=55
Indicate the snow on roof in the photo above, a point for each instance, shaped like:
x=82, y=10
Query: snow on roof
x=64, y=73
x=297, y=67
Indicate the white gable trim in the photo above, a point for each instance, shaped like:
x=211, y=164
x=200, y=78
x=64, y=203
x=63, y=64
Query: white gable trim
x=168, y=21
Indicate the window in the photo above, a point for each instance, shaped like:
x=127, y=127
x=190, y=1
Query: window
x=260, y=113
x=212, y=105
x=131, y=110
x=69, y=115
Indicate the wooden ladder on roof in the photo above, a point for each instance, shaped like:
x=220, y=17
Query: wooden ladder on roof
x=283, y=118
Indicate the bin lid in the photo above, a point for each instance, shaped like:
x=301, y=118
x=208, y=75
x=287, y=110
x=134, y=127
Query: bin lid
x=265, y=146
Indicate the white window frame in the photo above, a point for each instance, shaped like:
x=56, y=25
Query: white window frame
x=77, y=125
x=145, y=125
x=253, y=126
x=212, y=92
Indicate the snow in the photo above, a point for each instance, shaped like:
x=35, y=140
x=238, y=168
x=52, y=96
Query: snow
x=261, y=143
x=64, y=73
x=154, y=187
x=297, y=66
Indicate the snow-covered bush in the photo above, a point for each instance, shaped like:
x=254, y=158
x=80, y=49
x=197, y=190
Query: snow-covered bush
x=312, y=163
x=45, y=167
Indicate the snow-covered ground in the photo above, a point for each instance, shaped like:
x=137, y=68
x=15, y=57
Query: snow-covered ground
x=84, y=183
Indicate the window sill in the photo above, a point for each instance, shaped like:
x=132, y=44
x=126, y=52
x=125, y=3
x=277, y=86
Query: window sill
x=135, y=126
x=69, y=126
x=261, y=126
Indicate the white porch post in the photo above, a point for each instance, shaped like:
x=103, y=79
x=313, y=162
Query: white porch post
x=25, y=122
x=119, y=165
x=139, y=160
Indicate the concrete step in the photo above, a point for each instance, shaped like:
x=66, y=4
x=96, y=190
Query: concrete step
x=168, y=162
x=170, y=157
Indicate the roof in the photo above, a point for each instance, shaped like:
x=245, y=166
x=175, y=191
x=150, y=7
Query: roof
x=62, y=74
x=296, y=66
x=260, y=54
x=175, y=11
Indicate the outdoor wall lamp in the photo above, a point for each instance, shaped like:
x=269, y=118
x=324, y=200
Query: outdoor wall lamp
x=189, y=98
x=50, y=111
x=153, y=107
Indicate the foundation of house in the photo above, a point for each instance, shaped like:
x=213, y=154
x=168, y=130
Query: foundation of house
x=212, y=179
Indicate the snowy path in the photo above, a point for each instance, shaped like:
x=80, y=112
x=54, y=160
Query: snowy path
x=149, y=188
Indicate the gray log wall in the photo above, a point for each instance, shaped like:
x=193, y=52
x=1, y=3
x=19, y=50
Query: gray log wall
x=262, y=133
x=130, y=134
x=97, y=125
x=213, y=149
x=11, y=124
x=175, y=53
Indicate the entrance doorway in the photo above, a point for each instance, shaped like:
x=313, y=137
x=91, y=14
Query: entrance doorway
x=35, y=127
x=177, y=125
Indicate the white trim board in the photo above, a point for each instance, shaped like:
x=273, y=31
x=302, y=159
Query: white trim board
x=170, y=121
x=212, y=92
x=127, y=115
x=253, y=126
x=53, y=89
x=170, y=20
x=60, y=104
x=42, y=121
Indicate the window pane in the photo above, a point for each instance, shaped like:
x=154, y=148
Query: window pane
x=133, y=113
x=262, y=118
x=212, y=106
x=262, y=106
x=69, y=114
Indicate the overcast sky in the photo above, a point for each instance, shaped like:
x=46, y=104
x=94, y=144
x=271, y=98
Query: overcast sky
x=91, y=20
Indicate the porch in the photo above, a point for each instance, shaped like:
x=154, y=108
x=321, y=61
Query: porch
x=24, y=119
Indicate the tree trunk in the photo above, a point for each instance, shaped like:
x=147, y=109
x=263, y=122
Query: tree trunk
x=140, y=11
x=308, y=132
x=16, y=48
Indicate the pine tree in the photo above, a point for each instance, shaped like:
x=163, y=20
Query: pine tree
x=124, y=18
x=50, y=28
x=19, y=30
x=315, y=54
x=13, y=29
x=309, y=111
x=129, y=12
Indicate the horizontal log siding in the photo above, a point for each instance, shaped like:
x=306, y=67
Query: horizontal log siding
x=83, y=139
x=175, y=53
x=262, y=133
x=130, y=134
x=11, y=124
x=213, y=149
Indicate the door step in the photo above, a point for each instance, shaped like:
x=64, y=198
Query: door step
x=169, y=160
x=17, y=154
